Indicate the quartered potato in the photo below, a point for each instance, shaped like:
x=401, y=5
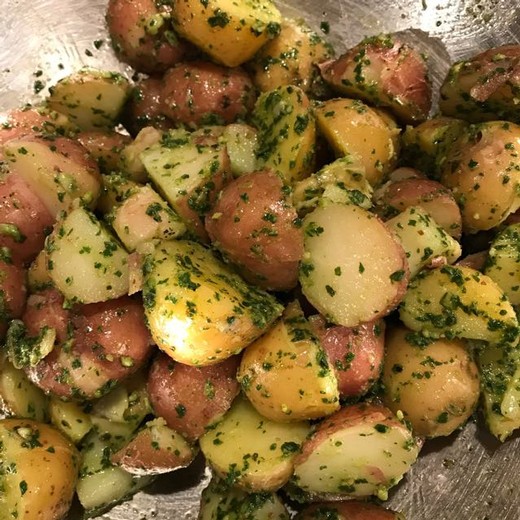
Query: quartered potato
x=40, y=470
x=250, y=451
x=200, y=312
x=229, y=31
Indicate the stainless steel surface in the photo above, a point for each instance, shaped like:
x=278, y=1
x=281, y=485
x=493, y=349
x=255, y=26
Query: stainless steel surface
x=468, y=476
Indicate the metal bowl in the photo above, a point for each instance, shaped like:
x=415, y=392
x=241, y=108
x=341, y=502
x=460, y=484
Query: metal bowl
x=467, y=476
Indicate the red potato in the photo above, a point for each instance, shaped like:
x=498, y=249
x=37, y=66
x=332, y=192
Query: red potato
x=191, y=398
x=384, y=72
x=142, y=35
x=109, y=341
x=201, y=93
x=13, y=293
x=476, y=261
x=355, y=354
x=25, y=219
x=254, y=225
x=430, y=195
x=351, y=510
x=104, y=147
x=144, y=107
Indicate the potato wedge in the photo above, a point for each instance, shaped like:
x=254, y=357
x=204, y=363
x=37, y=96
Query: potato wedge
x=40, y=469
x=424, y=241
x=360, y=451
x=219, y=500
x=84, y=260
x=241, y=143
x=368, y=135
x=503, y=262
x=285, y=373
x=350, y=253
x=436, y=386
x=229, y=31
x=459, y=302
x=70, y=419
x=199, y=311
x=90, y=98
x=250, y=451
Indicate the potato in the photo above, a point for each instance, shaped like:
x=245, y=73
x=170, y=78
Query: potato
x=431, y=196
x=143, y=216
x=286, y=132
x=143, y=107
x=105, y=147
x=90, y=98
x=84, y=260
x=40, y=471
x=189, y=173
x=349, y=251
x=285, y=373
x=369, y=136
x=425, y=146
x=18, y=396
x=70, y=419
x=483, y=172
x=142, y=34
x=252, y=452
x=361, y=450
x=483, y=87
x=241, y=143
x=13, y=290
x=200, y=312
x=219, y=500
x=154, y=450
x=230, y=32
x=191, y=399
x=343, y=175
x=200, y=93
x=57, y=171
x=503, y=262
x=459, y=302
x=354, y=354
x=290, y=58
x=424, y=241
x=383, y=71
x=351, y=510
x=436, y=386
x=254, y=225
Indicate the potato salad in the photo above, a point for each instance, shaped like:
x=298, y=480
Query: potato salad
x=257, y=250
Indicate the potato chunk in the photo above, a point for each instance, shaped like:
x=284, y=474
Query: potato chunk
x=353, y=269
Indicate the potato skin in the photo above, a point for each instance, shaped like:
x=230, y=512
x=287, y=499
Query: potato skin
x=253, y=224
x=351, y=510
x=13, y=293
x=202, y=93
x=436, y=386
x=137, y=41
x=46, y=470
x=104, y=147
x=189, y=398
x=355, y=354
x=383, y=72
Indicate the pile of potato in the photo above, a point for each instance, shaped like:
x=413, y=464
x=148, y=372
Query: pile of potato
x=257, y=251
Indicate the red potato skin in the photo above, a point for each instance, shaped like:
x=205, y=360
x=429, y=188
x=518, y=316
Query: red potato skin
x=13, y=293
x=104, y=148
x=22, y=208
x=191, y=398
x=255, y=227
x=348, y=510
x=431, y=196
x=355, y=354
x=202, y=93
x=383, y=72
x=126, y=20
x=108, y=341
x=144, y=107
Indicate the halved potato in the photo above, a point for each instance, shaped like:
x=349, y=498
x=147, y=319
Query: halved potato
x=367, y=134
x=199, y=311
x=84, y=260
x=230, y=31
x=285, y=373
x=360, y=451
x=353, y=269
x=90, y=98
x=250, y=451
